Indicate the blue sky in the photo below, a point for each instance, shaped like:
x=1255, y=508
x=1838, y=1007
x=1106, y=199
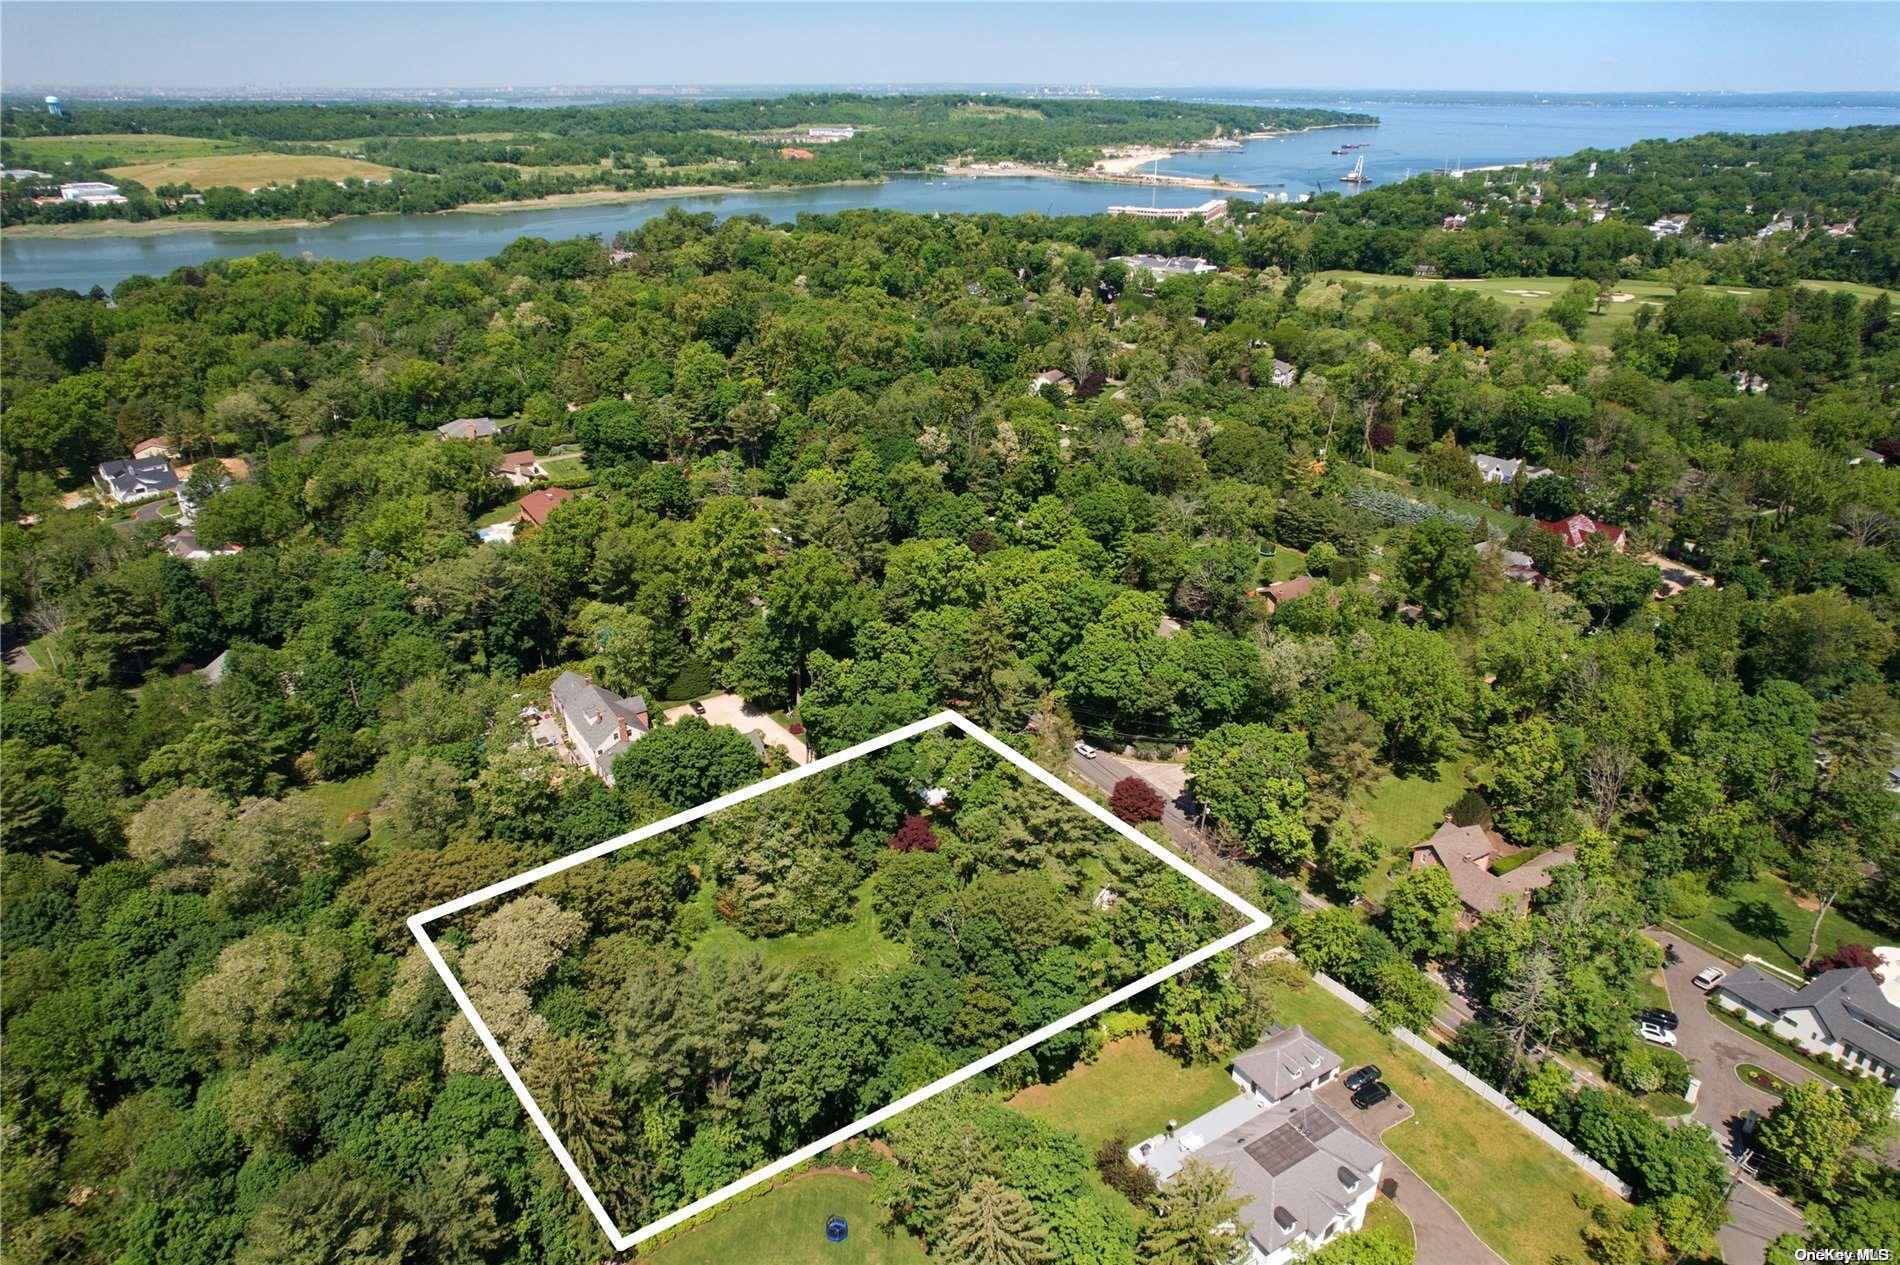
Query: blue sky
x=1554, y=47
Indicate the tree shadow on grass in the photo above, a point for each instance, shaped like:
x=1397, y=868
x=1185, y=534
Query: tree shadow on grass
x=1760, y=920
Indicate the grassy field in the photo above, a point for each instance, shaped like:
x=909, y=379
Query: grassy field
x=787, y=1227
x=568, y=472
x=340, y=799
x=126, y=147
x=1133, y=1089
x=857, y=945
x=1762, y=918
x=247, y=171
x=1404, y=811
x=1517, y=1194
x=1534, y=294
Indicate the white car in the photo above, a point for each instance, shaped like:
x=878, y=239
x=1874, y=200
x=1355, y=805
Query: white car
x=1656, y=1034
x=1709, y=976
x=1084, y=750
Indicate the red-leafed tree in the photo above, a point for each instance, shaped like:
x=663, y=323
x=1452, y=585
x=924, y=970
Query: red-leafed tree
x=1851, y=955
x=1134, y=801
x=915, y=835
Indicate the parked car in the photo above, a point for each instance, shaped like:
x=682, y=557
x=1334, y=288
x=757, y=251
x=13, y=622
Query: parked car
x=1363, y=1077
x=699, y=708
x=1372, y=1095
x=1656, y=1034
x=1660, y=1017
x=1709, y=976
x=1087, y=752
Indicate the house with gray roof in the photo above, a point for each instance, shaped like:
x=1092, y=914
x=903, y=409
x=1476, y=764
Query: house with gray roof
x=139, y=479
x=473, y=428
x=1304, y=1175
x=1843, y=1013
x=600, y=724
x=1507, y=470
x=1286, y=1060
x=1469, y=855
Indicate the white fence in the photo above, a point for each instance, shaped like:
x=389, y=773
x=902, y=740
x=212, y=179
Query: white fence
x=1541, y=1131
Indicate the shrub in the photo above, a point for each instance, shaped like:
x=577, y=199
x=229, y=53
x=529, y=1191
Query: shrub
x=1111, y=1161
x=1134, y=801
x=1851, y=955
x=915, y=835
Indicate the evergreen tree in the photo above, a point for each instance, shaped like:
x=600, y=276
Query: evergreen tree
x=994, y=1225
x=1196, y=1220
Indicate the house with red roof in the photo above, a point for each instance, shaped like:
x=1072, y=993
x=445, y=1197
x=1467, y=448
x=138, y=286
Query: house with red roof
x=537, y=505
x=1576, y=529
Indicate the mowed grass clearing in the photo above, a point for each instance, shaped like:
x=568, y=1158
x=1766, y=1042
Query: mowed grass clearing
x=123, y=147
x=248, y=171
x=1762, y=918
x=1517, y=1194
x=787, y=1227
x=1131, y=1089
x=855, y=947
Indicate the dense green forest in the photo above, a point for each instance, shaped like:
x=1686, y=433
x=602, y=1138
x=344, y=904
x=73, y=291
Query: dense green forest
x=816, y=473
x=451, y=157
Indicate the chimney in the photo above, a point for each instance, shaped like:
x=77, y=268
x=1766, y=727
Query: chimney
x=625, y=732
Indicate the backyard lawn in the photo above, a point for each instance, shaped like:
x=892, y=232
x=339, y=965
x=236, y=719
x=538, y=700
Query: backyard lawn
x=1517, y=1194
x=1132, y=1089
x=340, y=799
x=857, y=945
x=1762, y=918
x=1404, y=811
x=787, y=1227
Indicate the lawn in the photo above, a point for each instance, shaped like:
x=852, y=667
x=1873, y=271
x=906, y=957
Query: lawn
x=340, y=799
x=568, y=472
x=1403, y=811
x=247, y=171
x=1132, y=1089
x=1283, y=565
x=1517, y=1194
x=124, y=147
x=1762, y=918
x=857, y=945
x=787, y=1226
x=1385, y=1215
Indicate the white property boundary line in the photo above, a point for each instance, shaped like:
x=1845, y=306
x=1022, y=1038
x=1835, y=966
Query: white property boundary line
x=1257, y=922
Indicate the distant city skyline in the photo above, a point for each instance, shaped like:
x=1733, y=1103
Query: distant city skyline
x=1519, y=47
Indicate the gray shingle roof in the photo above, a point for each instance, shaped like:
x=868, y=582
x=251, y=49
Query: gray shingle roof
x=1463, y=851
x=1286, y=1060
x=1848, y=1000
x=1297, y=1165
x=594, y=712
x=141, y=476
x=469, y=428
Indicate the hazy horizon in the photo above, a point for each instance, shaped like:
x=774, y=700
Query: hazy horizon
x=437, y=45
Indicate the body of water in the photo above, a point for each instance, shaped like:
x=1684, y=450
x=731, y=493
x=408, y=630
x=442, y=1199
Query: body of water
x=1413, y=136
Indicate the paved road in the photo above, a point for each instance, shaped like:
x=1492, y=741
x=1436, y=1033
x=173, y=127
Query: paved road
x=1442, y=1235
x=1714, y=1049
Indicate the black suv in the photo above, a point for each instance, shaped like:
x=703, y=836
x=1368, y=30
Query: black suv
x=1665, y=1019
x=1372, y=1095
x=1363, y=1077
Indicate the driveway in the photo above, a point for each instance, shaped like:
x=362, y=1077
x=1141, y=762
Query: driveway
x=1180, y=815
x=730, y=709
x=1443, y=1237
x=1714, y=1050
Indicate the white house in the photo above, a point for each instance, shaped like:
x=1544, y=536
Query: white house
x=600, y=724
x=139, y=479
x=1843, y=1013
x=1303, y=1173
x=1507, y=470
x=520, y=468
